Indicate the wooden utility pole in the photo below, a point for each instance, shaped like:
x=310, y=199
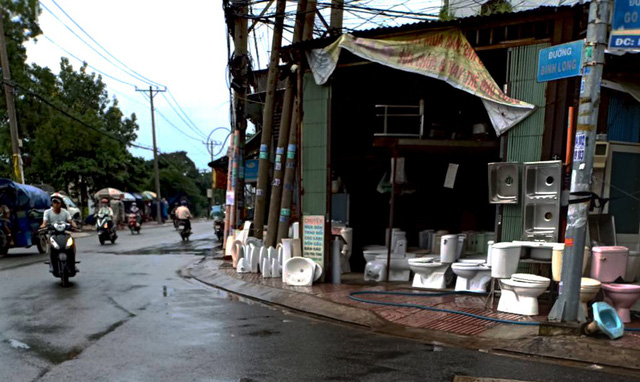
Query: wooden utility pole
x=267, y=121
x=296, y=122
x=567, y=307
x=11, y=106
x=283, y=138
x=309, y=22
x=156, y=171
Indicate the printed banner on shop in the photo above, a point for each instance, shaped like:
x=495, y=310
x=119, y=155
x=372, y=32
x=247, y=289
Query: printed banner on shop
x=443, y=54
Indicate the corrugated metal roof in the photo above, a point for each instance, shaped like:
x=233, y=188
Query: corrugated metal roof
x=431, y=24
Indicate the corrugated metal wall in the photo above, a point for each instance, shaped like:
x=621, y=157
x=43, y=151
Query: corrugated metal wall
x=623, y=118
x=314, y=147
x=524, y=141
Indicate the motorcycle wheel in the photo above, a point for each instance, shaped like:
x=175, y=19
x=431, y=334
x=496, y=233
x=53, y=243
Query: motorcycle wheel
x=42, y=244
x=113, y=240
x=64, y=277
x=101, y=240
x=132, y=231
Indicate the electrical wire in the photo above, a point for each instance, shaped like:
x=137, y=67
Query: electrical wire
x=82, y=61
x=140, y=76
x=195, y=130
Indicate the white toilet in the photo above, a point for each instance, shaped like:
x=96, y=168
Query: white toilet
x=589, y=288
x=505, y=257
x=376, y=258
x=471, y=276
x=519, y=294
x=429, y=272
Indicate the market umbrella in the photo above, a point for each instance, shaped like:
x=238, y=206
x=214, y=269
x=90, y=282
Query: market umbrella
x=108, y=192
x=128, y=197
x=148, y=195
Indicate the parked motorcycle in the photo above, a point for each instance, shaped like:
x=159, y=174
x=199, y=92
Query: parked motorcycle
x=183, y=230
x=62, y=251
x=106, y=229
x=218, y=228
x=134, y=224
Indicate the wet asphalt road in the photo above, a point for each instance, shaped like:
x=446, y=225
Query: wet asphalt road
x=129, y=316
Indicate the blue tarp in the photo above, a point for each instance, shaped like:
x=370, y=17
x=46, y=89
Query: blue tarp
x=27, y=204
x=22, y=196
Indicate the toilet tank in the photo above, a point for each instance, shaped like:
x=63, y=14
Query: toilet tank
x=609, y=263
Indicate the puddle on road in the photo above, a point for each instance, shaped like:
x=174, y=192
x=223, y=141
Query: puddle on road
x=200, y=247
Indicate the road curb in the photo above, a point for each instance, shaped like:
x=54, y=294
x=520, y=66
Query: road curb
x=579, y=351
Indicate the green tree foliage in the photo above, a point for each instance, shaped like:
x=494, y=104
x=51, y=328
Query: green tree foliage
x=66, y=153
x=90, y=151
x=19, y=19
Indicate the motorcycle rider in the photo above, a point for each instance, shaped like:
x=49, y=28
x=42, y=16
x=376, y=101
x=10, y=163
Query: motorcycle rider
x=136, y=211
x=105, y=210
x=57, y=214
x=183, y=214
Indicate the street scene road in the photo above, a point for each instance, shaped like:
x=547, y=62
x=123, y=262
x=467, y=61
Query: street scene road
x=129, y=315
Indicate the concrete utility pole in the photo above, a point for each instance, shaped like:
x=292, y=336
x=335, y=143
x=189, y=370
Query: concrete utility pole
x=241, y=69
x=283, y=138
x=267, y=121
x=337, y=14
x=11, y=106
x=156, y=171
x=567, y=307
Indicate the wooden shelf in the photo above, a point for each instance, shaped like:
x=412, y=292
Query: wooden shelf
x=433, y=144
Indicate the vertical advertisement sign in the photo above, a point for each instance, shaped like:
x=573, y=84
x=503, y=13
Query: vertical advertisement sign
x=313, y=238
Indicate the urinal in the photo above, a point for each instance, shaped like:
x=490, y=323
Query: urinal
x=276, y=268
x=287, y=250
x=243, y=265
x=266, y=267
x=235, y=252
x=317, y=273
x=254, y=256
x=299, y=271
x=606, y=320
x=263, y=255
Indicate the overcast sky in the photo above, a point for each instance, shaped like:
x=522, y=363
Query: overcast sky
x=181, y=45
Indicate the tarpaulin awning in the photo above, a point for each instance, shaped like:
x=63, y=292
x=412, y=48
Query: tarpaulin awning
x=442, y=54
x=16, y=195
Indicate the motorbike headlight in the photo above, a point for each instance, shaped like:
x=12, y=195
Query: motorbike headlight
x=69, y=242
x=62, y=256
x=53, y=243
x=106, y=225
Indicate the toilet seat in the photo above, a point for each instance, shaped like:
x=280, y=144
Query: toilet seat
x=527, y=278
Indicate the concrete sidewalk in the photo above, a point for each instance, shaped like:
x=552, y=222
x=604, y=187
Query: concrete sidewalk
x=333, y=302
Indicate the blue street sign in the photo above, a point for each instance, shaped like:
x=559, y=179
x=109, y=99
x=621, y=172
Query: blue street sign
x=560, y=61
x=625, y=26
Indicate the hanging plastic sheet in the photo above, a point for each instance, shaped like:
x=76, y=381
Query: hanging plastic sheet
x=441, y=54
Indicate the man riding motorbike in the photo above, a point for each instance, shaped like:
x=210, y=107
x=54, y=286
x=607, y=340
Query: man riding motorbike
x=183, y=214
x=56, y=214
x=106, y=211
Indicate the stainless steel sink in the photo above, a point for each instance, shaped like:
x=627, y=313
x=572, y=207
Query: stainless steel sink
x=540, y=221
x=504, y=183
x=542, y=180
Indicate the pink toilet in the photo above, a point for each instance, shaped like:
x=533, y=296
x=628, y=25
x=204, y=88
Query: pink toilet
x=607, y=265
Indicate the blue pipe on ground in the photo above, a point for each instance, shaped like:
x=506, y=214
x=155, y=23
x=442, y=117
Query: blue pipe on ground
x=353, y=295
